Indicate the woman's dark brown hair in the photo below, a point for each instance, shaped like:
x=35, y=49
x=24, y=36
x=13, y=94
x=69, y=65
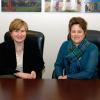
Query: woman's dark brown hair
x=77, y=20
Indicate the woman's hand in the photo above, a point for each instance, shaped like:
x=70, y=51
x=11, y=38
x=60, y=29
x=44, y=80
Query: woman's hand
x=25, y=75
x=62, y=77
x=33, y=74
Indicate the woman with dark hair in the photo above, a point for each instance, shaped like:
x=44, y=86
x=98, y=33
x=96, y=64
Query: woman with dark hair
x=77, y=57
x=19, y=56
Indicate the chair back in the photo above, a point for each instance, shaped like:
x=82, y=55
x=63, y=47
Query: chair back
x=36, y=36
x=94, y=37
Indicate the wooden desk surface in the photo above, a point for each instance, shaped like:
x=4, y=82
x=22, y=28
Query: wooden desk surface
x=49, y=89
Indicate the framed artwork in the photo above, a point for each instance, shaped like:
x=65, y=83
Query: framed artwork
x=92, y=6
x=21, y=5
x=72, y=5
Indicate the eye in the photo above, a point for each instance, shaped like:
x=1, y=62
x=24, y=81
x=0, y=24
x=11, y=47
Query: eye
x=22, y=30
x=73, y=31
x=17, y=30
x=79, y=31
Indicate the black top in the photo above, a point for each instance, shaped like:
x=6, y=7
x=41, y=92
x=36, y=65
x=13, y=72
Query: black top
x=32, y=59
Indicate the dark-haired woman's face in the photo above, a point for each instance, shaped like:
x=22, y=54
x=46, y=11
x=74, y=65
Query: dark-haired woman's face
x=77, y=34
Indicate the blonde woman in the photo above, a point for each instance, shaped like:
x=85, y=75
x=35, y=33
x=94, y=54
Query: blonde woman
x=20, y=56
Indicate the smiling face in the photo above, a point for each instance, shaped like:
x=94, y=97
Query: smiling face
x=19, y=35
x=77, y=29
x=77, y=34
x=18, y=29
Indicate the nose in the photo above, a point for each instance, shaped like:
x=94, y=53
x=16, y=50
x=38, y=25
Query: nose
x=19, y=32
x=75, y=33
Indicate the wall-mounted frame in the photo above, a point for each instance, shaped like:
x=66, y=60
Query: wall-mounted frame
x=72, y=5
x=21, y=5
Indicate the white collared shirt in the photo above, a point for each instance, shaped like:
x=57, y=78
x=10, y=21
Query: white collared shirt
x=19, y=59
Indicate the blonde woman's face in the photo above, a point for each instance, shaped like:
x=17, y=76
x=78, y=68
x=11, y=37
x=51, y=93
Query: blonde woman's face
x=19, y=35
x=77, y=34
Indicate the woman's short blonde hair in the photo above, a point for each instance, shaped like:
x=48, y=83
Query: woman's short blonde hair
x=16, y=24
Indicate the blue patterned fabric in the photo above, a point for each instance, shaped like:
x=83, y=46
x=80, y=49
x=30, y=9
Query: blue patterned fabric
x=74, y=56
x=85, y=62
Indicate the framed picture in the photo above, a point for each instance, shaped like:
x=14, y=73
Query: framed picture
x=21, y=5
x=92, y=6
x=72, y=5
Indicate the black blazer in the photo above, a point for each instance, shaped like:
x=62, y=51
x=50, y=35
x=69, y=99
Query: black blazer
x=32, y=59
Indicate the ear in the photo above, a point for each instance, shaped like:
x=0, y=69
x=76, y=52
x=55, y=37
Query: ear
x=69, y=36
x=85, y=32
x=10, y=34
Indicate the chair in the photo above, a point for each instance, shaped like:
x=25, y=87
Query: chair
x=33, y=35
x=36, y=37
x=94, y=37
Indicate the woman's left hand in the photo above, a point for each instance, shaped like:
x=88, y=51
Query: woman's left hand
x=33, y=73
x=62, y=77
x=65, y=77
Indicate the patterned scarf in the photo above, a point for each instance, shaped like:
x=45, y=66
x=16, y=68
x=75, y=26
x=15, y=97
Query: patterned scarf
x=75, y=54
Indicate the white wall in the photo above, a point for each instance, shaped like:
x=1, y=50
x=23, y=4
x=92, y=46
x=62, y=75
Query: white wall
x=53, y=25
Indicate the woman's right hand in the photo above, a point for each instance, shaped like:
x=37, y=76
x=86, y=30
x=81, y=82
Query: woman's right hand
x=24, y=75
x=62, y=77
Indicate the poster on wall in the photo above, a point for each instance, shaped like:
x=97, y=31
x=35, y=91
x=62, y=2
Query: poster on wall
x=21, y=5
x=72, y=6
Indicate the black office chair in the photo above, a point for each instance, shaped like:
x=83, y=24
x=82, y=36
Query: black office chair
x=94, y=37
x=36, y=37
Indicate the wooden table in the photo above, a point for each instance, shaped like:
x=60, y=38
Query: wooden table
x=49, y=89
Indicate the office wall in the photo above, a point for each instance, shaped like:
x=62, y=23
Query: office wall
x=53, y=25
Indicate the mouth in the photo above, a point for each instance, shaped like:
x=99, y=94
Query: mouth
x=21, y=37
x=76, y=37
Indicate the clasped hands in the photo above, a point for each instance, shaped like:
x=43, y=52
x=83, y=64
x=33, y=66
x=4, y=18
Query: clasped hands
x=22, y=75
x=62, y=77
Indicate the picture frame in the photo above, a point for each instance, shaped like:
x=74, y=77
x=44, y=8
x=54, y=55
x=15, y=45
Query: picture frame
x=90, y=6
x=21, y=5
